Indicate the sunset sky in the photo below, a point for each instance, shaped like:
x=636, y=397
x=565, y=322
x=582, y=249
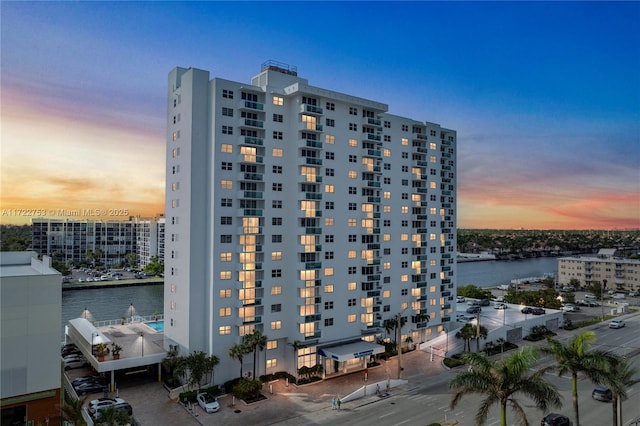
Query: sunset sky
x=545, y=97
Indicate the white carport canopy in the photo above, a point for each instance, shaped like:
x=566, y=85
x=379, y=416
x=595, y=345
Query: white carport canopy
x=351, y=350
x=87, y=331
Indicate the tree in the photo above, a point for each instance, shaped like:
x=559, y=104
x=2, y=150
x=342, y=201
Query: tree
x=255, y=342
x=174, y=366
x=154, y=267
x=112, y=416
x=296, y=345
x=238, y=351
x=71, y=411
x=620, y=377
x=575, y=357
x=391, y=325
x=466, y=333
x=199, y=365
x=501, y=381
x=131, y=258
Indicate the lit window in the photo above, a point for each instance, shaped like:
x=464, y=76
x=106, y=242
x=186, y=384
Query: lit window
x=433, y=210
x=386, y=209
x=405, y=141
x=276, y=255
x=386, y=194
x=225, y=293
x=225, y=275
x=330, y=139
x=226, y=184
x=328, y=272
x=404, y=278
x=432, y=237
x=353, y=142
x=276, y=325
x=225, y=312
x=351, y=318
x=352, y=286
x=272, y=344
x=224, y=329
x=277, y=152
x=352, y=254
x=277, y=100
x=271, y=363
x=353, y=174
x=432, y=146
x=386, y=265
x=404, y=209
x=225, y=257
x=329, y=188
x=404, y=237
x=329, y=221
x=352, y=222
x=386, y=152
x=328, y=288
x=386, y=237
x=386, y=294
x=276, y=290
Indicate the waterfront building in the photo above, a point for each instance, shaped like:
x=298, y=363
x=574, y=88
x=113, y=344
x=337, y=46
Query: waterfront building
x=149, y=240
x=30, y=315
x=620, y=273
x=309, y=215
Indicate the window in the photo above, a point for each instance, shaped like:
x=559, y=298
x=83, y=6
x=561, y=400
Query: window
x=328, y=322
x=275, y=273
x=351, y=222
x=225, y=312
x=353, y=126
x=387, y=181
x=330, y=106
x=227, y=94
x=277, y=135
x=404, y=292
x=277, y=170
x=353, y=190
x=330, y=122
x=328, y=255
x=276, y=238
x=353, y=111
x=329, y=221
x=405, y=141
x=405, y=128
x=328, y=205
x=277, y=118
x=351, y=302
x=278, y=101
x=272, y=362
x=276, y=256
x=225, y=275
x=227, y=148
x=276, y=221
x=225, y=239
x=328, y=305
x=329, y=188
x=352, y=286
x=227, y=111
x=328, y=272
x=387, y=138
x=225, y=293
x=352, y=270
x=386, y=152
x=353, y=206
x=329, y=172
x=224, y=329
x=328, y=238
x=352, y=254
x=353, y=158
x=272, y=344
x=352, y=238
x=351, y=318
x=387, y=124
x=226, y=220
x=227, y=130
x=276, y=204
x=330, y=139
x=276, y=187
x=276, y=325
x=277, y=152
x=329, y=155
x=277, y=307
x=227, y=166
x=226, y=184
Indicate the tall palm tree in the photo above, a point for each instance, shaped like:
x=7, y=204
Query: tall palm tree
x=238, y=351
x=620, y=377
x=500, y=381
x=112, y=416
x=255, y=342
x=466, y=333
x=575, y=357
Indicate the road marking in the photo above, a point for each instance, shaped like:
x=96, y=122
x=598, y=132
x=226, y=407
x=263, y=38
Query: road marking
x=406, y=421
x=388, y=414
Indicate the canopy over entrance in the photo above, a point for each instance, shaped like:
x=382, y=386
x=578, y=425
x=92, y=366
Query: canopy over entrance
x=351, y=350
x=87, y=331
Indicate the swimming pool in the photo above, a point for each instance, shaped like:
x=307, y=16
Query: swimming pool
x=156, y=325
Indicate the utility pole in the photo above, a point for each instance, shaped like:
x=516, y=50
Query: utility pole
x=478, y=333
x=602, y=287
x=399, y=343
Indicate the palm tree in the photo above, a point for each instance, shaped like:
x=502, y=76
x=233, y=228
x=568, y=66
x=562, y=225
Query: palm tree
x=500, y=381
x=238, y=351
x=199, y=365
x=71, y=411
x=255, y=342
x=112, y=416
x=620, y=377
x=574, y=357
x=466, y=333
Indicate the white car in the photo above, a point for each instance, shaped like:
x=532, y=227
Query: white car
x=76, y=362
x=616, y=324
x=500, y=306
x=208, y=403
x=99, y=403
x=460, y=299
x=568, y=308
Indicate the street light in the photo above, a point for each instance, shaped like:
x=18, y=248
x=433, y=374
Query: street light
x=446, y=334
x=142, y=336
x=92, y=336
x=602, y=287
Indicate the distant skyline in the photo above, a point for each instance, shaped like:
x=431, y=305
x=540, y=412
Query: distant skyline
x=545, y=96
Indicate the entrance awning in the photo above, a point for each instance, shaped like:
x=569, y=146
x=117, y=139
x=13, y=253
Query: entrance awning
x=351, y=350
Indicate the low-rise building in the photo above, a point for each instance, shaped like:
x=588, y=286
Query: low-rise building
x=619, y=273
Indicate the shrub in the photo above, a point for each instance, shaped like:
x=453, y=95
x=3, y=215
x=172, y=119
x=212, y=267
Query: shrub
x=247, y=389
x=453, y=362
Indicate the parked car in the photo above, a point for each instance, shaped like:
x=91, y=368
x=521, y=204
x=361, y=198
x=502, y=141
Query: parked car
x=208, y=403
x=99, y=403
x=526, y=310
x=500, y=306
x=87, y=379
x=553, y=419
x=570, y=308
x=460, y=299
x=90, y=387
x=633, y=293
x=73, y=363
x=588, y=303
x=474, y=303
x=589, y=296
x=125, y=406
x=474, y=309
x=616, y=324
x=485, y=302
x=601, y=393
x=538, y=311
x=465, y=317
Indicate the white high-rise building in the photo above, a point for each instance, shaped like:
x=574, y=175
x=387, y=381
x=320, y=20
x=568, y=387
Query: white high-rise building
x=310, y=215
x=149, y=235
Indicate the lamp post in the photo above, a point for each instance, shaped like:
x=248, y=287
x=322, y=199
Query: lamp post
x=92, y=336
x=602, y=287
x=399, y=343
x=478, y=333
x=446, y=334
x=142, y=337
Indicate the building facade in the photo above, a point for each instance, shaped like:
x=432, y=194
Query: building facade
x=105, y=242
x=30, y=315
x=620, y=273
x=310, y=215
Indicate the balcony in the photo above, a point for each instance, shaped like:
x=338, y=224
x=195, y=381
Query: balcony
x=249, y=122
x=374, y=184
x=306, y=126
x=252, y=105
x=374, y=153
x=313, y=196
x=253, y=141
x=313, y=144
x=252, y=212
x=373, y=199
x=313, y=265
x=420, y=137
x=313, y=109
x=374, y=122
x=252, y=194
x=252, y=176
x=313, y=161
x=372, y=137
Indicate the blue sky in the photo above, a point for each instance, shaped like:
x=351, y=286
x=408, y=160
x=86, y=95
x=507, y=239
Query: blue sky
x=545, y=96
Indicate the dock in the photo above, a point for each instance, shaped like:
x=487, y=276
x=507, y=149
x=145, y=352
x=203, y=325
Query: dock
x=112, y=283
